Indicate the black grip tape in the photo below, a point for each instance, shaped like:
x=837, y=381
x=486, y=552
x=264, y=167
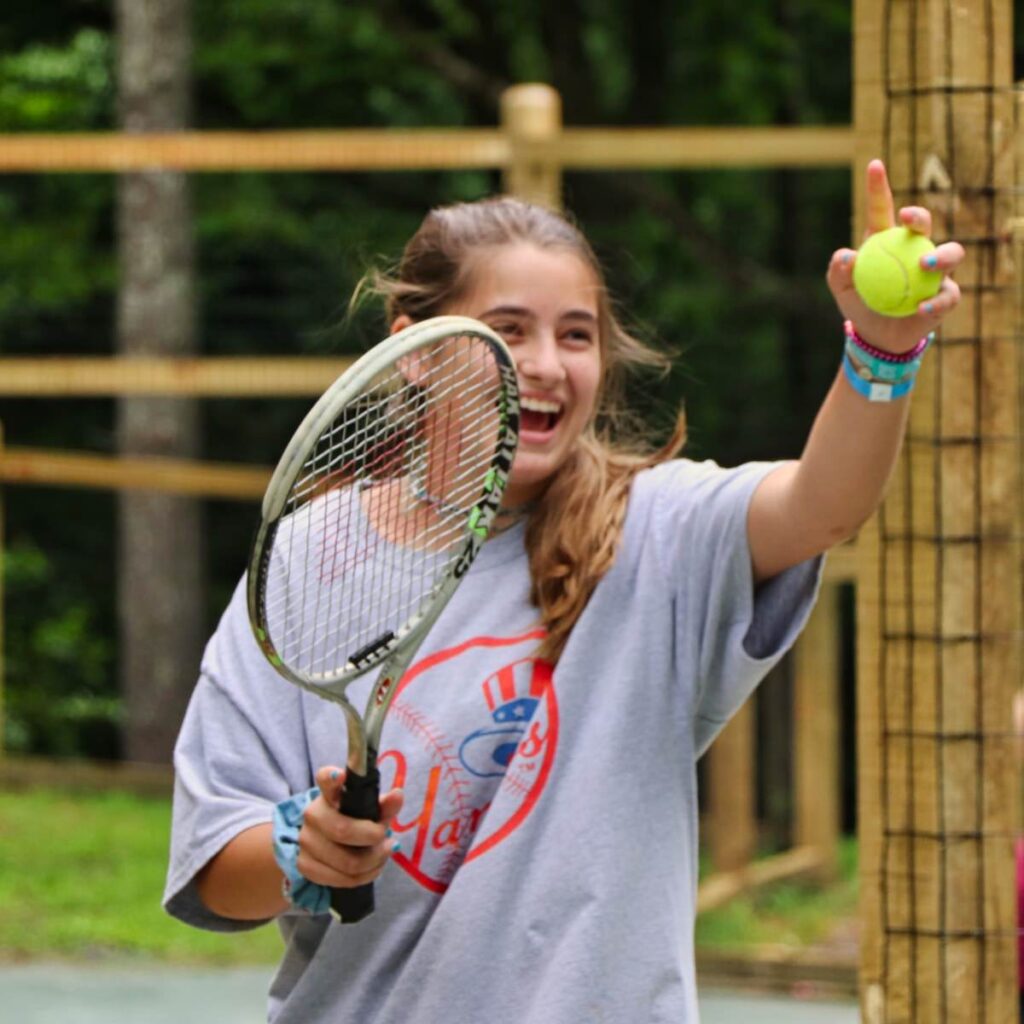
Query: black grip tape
x=360, y=799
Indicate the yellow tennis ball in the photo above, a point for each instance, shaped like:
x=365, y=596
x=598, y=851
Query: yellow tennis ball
x=888, y=275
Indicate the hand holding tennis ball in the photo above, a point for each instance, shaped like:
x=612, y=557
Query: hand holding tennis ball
x=898, y=287
x=888, y=274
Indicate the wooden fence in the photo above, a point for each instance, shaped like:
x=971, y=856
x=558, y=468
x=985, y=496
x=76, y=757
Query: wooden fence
x=532, y=149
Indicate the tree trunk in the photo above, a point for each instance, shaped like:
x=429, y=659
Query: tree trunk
x=160, y=556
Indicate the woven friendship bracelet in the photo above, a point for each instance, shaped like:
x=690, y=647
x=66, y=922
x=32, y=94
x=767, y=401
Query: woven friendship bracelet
x=870, y=368
x=876, y=391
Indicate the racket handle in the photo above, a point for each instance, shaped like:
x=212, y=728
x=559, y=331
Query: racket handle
x=360, y=799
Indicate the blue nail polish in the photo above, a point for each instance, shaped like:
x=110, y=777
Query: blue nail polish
x=396, y=848
x=388, y=834
x=334, y=775
x=931, y=261
x=929, y=308
x=845, y=258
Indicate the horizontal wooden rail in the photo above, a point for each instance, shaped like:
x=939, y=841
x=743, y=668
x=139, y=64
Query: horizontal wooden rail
x=665, y=148
x=175, y=476
x=211, y=480
x=780, y=968
x=358, y=150
x=426, y=149
x=236, y=377
x=720, y=889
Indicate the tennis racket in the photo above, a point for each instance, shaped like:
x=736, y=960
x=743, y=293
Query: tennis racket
x=374, y=513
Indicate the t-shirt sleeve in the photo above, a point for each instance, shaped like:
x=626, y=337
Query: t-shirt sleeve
x=729, y=634
x=240, y=751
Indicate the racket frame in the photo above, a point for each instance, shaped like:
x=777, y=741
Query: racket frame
x=392, y=657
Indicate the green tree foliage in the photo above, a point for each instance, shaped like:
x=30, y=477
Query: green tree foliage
x=54, y=226
x=57, y=279
x=725, y=267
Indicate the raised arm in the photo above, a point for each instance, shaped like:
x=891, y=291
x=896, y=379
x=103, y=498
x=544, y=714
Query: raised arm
x=805, y=507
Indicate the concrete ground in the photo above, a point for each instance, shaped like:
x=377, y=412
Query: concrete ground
x=60, y=993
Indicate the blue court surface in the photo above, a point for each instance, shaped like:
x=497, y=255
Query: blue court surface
x=58, y=993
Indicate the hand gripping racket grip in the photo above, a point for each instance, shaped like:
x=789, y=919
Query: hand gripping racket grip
x=360, y=799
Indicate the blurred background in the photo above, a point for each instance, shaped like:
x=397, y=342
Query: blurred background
x=725, y=267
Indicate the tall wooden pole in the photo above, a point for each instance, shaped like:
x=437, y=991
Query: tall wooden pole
x=939, y=594
x=160, y=557
x=531, y=115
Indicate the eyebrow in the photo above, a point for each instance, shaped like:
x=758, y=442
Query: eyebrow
x=572, y=314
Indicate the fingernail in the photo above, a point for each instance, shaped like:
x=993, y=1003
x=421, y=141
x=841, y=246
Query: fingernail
x=929, y=308
x=388, y=834
x=931, y=261
x=845, y=258
x=334, y=775
x=395, y=847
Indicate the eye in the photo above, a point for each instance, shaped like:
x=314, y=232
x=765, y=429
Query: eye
x=507, y=328
x=580, y=335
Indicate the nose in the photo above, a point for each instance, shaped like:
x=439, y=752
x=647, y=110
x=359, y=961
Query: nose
x=541, y=361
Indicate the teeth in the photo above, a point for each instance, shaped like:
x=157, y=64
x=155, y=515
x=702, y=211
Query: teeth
x=539, y=405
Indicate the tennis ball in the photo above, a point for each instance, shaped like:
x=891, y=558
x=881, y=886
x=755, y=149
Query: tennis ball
x=888, y=275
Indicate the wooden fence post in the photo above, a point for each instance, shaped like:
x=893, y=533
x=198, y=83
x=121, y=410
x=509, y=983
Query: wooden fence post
x=532, y=116
x=816, y=713
x=939, y=609
x=732, y=809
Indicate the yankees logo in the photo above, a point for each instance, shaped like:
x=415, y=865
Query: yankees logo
x=471, y=737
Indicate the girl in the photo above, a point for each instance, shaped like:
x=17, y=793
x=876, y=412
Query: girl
x=540, y=832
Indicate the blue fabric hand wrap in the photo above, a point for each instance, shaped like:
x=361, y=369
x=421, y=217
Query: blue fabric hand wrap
x=287, y=822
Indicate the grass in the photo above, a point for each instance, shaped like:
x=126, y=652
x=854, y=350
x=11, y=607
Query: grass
x=82, y=877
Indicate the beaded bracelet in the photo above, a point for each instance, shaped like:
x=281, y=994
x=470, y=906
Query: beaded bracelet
x=887, y=357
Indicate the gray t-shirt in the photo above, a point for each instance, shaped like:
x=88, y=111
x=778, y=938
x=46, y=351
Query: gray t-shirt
x=548, y=868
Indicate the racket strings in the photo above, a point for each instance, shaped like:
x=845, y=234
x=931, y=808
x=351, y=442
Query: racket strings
x=460, y=489
x=355, y=445
x=381, y=507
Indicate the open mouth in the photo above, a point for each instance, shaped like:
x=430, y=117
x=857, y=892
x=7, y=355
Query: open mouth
x=537, y=416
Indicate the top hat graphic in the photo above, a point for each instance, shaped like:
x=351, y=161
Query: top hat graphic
x=488, y=751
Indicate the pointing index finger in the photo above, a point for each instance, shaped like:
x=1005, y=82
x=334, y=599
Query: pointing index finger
x=881, y=213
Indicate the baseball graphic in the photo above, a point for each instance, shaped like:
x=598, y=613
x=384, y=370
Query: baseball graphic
x=471, y=781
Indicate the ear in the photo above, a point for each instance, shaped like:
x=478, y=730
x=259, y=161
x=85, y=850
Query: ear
x=412, y=366
x=400, y=323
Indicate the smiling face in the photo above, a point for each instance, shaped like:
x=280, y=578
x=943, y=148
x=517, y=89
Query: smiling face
x=544, y=304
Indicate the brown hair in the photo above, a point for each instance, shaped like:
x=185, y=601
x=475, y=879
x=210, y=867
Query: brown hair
x=573, y=534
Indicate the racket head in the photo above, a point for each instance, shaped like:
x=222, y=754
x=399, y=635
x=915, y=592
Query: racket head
x=381, y=501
